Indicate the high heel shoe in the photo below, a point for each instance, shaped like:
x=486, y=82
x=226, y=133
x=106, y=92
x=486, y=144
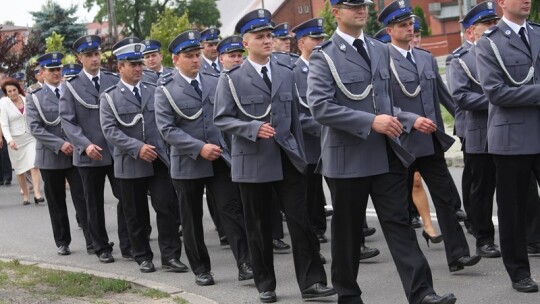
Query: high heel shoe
x=38, y=200
x=26, y=203
x=434, y=239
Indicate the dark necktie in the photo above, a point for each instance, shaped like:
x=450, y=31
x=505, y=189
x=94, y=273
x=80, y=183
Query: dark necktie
x=409, y=57
x=57, y=92
x=136, y=93
x=359, y=45
x=158, y=74
x=214, y=65
x=266, y=79
x=524, y=38
x=95, y=79
x=195, y=85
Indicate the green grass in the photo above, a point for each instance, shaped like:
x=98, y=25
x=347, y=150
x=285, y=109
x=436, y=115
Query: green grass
x=446, y=117
x=152, y=293
x=179, y=300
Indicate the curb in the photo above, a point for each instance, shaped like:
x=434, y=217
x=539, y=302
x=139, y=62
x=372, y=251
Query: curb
x=171, y=290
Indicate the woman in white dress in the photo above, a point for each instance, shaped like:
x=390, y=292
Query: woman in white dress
x=22, y=145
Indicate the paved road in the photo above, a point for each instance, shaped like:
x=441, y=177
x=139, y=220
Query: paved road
x=25, y=234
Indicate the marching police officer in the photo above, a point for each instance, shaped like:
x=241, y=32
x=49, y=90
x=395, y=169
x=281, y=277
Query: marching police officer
x=127, y=117
x=418, y=88
x=54, y=153
x=152, y=61
x=92, y=155
x=199, y=157
x=281, y=44
x=231, y=52
x=209, y=59
x=70, y=70
x=510, y=69
x=256, y=103
x=349, y=93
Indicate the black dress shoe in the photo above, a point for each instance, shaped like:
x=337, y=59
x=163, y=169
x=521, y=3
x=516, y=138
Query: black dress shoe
x=63, y=250
x=448, y=298
x=415, y=222
x=488, y=251
x=38, y=200
x=106, y=257
x=525, y=285
x=7, y=183
x=280, y=246
x=147, y=266
x=317, y=290
x=461, y=215
x=323, y=259
x=204, y=279
x=368, y=253
x=174, y=265
x=223, y=241
x=268, y=297
x=464, y=261
x=369, y=231
x=322, y=238
x=533, y=248
x=245, y=272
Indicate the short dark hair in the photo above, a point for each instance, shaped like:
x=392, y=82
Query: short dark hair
x=12, y=82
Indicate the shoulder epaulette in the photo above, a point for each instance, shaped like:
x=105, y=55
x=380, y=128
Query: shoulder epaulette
x=457, y=55
x=110, y=73
x=149, y=83
x=36, y=90
x=164, y=81
x=490, y=31
x=294, y=55
x=458, y=50
x=322, y=45
x=148, y=71
x=232, y=69
x=107, y=90
x=165, y=75
x=534, y=23
x=284, y=64
x=210, y=74
x=73, y=77
x=417, y=48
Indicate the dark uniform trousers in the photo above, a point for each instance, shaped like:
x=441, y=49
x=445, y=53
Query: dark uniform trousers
x=93, y=179
x=256, y=198
x=315, y=199
x=441, y=187
x=277, y=218
x=513, y=175
x=5, y=163
x=214, y=214
x=466, y=180
x=228, y=206
x=134, y=193
x=55, y=192
x=389, y=195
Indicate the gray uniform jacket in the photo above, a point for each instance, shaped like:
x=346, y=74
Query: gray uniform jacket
x=81, y=123
x=311, y=129
x=187, y=137
x=151, y=76
x=128, y=140
x=470, y=98
x=50, y=138
x=286, y=58
x=349, y=147
x=256, y=160
x=459, y=118
x=514, y=113
x=208, y=69
x=427, y=104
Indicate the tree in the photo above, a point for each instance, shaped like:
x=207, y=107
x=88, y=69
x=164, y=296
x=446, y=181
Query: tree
x=330, y=24
x=372, y=25
x=418, y=11
x=15, y=54
x=9, y=22
x=54, y=43
x=535, y=11
x=203, y=13
x=166, y=28
x=53, y=18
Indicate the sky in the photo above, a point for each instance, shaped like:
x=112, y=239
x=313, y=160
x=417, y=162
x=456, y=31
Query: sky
x=18, y=11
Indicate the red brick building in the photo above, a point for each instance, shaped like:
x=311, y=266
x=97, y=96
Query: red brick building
x=16, y=34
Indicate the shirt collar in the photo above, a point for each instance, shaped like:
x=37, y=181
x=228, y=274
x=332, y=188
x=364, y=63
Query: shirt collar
x=188, y=79
x=402, y=51
x=210, y=62
x=258, y=67
x=514, y=26
x=52, y=88
x=130, y=87
x=305, y=61
x=90, y=76
x=350, y=39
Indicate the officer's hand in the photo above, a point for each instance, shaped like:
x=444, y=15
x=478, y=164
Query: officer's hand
x=388, y=125
x=67, y=149
x=148, y=153
x=210, y=152
x=266, y=131
x=12, y=145
x=425, y=125
x=94, y=152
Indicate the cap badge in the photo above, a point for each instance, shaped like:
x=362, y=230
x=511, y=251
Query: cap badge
x=88, y=39
x=261, y=13
x=54, y=56
x=489, y=5
x=191, y=35
x=137, y=48
x=319, y=22
x=401, y=4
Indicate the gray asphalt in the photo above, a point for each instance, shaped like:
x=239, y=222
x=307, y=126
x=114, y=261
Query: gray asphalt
x=25, y=234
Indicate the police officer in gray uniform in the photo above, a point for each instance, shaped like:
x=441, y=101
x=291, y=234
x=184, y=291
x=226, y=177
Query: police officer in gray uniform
x=54, y=153
x=349, y=93
x=92, y=155
x=209, y=60
x=509, y=76
x=141, y=162
x=256, y=103
x=199, y=157
x=418, y=88
x=470, y=99
x=281, y=44
x=152, y=61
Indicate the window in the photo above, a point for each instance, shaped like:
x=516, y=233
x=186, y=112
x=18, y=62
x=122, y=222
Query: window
x=300, y=9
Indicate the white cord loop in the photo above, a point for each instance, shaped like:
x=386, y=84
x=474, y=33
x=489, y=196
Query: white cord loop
x=403, y=89
x=40, y=111
x=467, y=71
x=501, y=63
x=302, y=102
x=79, y=99
x=176, y=109
x=239, y=105
x=136, y=119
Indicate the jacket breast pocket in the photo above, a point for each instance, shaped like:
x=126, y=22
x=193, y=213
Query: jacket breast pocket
x=286, y=100
x=150, y=107
x=189, y=108
x=517, y=66
x=254, y=104
x=355, y=82
x=127, y=113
